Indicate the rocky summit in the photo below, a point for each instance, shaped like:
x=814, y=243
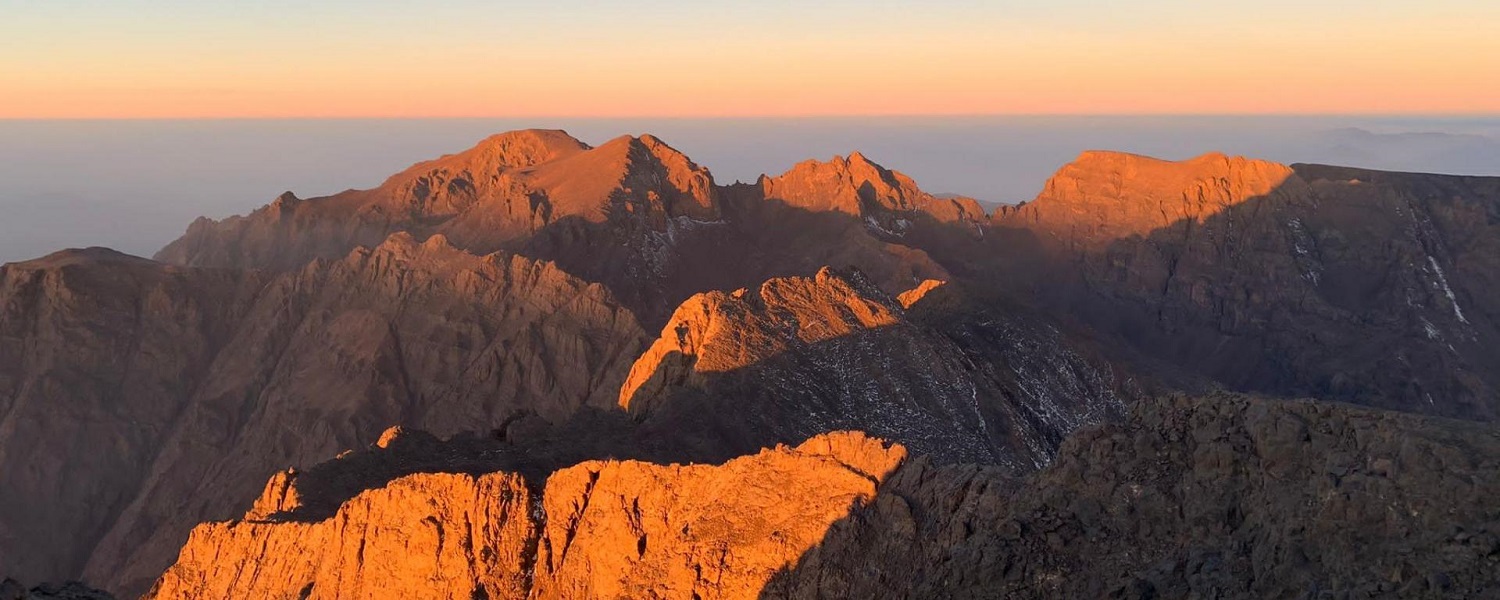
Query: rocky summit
x=542, y=369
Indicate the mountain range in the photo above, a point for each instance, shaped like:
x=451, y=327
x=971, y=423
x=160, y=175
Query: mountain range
x=542, y=369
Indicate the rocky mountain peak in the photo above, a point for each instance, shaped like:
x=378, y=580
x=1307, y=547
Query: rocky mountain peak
x=715, y=332
x=888, y=201
x=1102, y=196
x=519, y=149
x=853, y=185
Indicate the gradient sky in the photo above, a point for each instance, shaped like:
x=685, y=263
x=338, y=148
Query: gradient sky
x=376, y=58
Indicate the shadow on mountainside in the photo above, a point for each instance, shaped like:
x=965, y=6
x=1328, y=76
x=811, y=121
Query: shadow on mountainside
x=956, y=382
x=1340, y=284
x=653, y=269
x=1222, y=496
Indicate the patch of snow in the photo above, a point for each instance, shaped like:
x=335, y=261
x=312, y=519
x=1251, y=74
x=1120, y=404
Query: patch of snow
x=901, y=224
x=1457, y=312
x=1432, y=332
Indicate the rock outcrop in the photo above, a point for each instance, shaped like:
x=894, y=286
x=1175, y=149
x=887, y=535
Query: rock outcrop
x=600, y=529
x=420, y=536
x=141, y=398
x=1106, y=196
x=857, y=186
x=717, y=332
x=1221, y=496
x=1305, y=280
x=799, y=356
x=11, y=589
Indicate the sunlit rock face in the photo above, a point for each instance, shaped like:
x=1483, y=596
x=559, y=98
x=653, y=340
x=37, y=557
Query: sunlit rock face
x=1250, y=497
x=1105, y=196
x=570, y=321
x=1348, y=284
x=946, y=377
x=504, y=189
x=599, y=529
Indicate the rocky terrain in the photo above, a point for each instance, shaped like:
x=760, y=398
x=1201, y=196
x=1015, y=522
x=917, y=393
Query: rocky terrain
x=1360, y=286
x=610, y=376
x=141, y=398
x=1221, y=496
x=596, y=529
x=1224, y=496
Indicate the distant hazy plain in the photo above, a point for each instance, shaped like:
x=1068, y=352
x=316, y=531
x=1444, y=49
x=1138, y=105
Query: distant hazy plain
x=135, y=185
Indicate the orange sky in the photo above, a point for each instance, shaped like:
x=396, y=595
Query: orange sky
x=664, y=58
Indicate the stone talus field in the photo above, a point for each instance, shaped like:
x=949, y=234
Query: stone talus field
x=575, y=371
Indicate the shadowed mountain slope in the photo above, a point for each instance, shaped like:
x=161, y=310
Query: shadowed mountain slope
x=946, y=377
x=143, y=398
x=504, y=297
x=1221, y=496
x=1375, y=288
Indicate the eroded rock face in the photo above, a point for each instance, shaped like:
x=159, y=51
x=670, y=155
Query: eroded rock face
x=1106, y=196
x=1220, y=496
x=717, y=332
x=504, y=189
x=635, y=530
x=800, y=356
x=600, y=529
x=140, y=398
x=101, y=352
x=427, y=535
x=1336, y=283
x=859, y=187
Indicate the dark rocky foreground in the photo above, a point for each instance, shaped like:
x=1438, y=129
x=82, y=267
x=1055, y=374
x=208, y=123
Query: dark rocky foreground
x=11, y=589
x=1215, y=497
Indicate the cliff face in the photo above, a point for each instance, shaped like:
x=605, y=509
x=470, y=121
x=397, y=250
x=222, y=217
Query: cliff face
x=1336, y=283
x=1106, y=196
x=598, y=529
x=799, y=356
x=428, y=536
x=717, y=332
x=100, y=353
x=143, y=398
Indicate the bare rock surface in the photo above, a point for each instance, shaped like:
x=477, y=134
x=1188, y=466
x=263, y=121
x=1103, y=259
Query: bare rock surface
x=502, y=298
x=1302, y=280
x=425, y=535
x=949, y=377
x=141, y=398
x=1216, y=497
x=599, y=529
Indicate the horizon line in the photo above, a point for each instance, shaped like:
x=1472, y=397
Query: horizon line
x=759, y=117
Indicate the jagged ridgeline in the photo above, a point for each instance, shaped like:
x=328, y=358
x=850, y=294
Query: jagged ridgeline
x=613, y=377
